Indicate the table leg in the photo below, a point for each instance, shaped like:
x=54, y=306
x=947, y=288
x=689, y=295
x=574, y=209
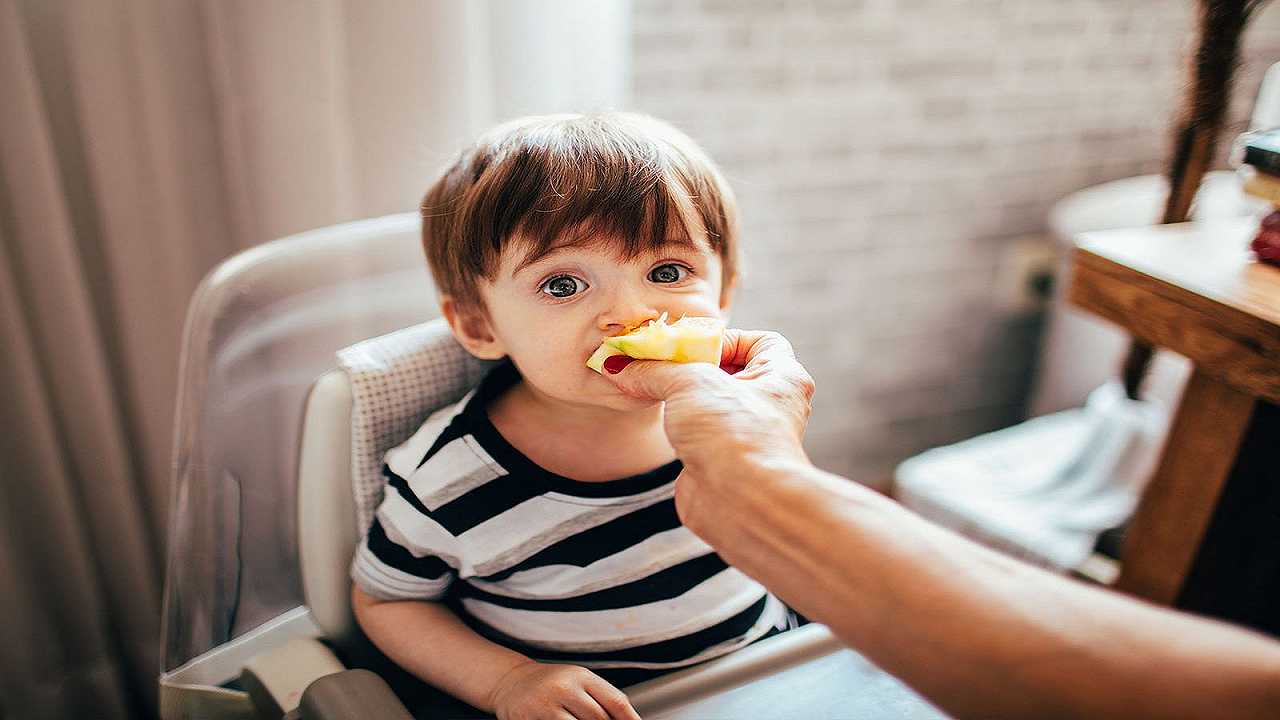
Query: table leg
x=1177, y=505
x=1236, y=573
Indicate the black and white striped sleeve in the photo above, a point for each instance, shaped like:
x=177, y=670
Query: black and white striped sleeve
x=404, y=555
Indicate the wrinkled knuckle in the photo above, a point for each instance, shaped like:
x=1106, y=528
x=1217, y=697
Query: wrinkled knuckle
x=807, y=385
x=800, y=380
x=697, y=379
x=780, y=395
x=782, y=343
x=707, y=375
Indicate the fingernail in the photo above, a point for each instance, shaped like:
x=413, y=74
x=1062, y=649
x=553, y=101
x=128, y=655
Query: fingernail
x=614, y=364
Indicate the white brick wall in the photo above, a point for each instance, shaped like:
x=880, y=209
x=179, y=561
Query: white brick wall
x=884, y=152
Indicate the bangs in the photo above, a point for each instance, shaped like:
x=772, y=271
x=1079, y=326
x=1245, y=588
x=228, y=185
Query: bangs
x=591, y=217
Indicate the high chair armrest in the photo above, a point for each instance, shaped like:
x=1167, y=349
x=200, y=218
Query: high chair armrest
x=351, y=695
x=275, y=680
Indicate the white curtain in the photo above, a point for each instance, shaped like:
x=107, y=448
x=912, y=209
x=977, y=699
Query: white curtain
x=141, y=142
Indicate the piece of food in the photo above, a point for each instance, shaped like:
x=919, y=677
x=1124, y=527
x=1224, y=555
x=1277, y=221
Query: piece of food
x=1266, y=245
x=689, y=339
x=602, y=353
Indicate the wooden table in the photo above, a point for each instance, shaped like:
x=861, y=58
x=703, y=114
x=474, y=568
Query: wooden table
x=1206, y=534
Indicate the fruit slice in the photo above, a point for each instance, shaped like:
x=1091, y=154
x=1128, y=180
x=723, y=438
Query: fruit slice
x=602, y=353
x=689, y=339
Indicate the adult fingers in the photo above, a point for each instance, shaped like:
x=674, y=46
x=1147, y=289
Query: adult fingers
x=768, y=357
x=657, y=380
x=744, y=353
x=742, y=348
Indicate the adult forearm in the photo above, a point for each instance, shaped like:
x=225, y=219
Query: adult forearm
x=979, y=634
x=429, y=641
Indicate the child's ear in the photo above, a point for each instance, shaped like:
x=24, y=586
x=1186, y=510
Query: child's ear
x=472, y=329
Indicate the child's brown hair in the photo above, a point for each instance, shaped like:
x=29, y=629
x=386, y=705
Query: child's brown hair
x=620, y=178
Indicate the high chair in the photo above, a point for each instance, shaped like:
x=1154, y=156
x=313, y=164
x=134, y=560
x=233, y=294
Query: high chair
x=303, y=361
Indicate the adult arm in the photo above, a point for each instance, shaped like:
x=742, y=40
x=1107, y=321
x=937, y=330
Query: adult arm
x=979, y=634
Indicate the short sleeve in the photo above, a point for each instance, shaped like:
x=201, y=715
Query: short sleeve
x=388, y=566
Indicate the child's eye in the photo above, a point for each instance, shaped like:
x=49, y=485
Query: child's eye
x=563, y=286
x=669, y=273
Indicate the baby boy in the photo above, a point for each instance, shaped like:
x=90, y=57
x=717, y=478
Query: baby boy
x=527, y=557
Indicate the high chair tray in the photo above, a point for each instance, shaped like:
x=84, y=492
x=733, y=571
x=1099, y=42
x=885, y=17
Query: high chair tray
x=804, y=674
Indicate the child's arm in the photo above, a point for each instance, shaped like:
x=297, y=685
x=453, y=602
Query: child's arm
x=429, y=641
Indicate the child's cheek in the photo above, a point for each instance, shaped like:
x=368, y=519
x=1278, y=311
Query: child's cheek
x=555, y=364
x=701, y=307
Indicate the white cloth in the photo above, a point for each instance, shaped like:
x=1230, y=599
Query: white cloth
x=1045, y=489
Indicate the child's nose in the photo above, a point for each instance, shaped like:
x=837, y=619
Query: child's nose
x=626, y=313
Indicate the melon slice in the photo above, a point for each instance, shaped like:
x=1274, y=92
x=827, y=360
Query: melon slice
x=602, y=353
x=689, y=339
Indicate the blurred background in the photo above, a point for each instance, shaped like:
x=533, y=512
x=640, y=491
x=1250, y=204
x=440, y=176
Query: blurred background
x=895, y=162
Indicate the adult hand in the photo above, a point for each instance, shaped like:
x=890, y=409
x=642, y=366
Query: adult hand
x=755, y=403
x=941, y=613
x=753, y=407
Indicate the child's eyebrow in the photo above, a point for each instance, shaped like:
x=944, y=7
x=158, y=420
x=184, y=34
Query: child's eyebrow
x=534, y=258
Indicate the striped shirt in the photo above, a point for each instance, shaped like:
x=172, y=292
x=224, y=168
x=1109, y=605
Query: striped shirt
x=601, y=575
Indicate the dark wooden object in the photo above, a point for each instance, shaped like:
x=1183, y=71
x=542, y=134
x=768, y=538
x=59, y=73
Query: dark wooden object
x=1206, y=535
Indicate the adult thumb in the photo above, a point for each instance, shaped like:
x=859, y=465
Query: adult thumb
x=652, y=379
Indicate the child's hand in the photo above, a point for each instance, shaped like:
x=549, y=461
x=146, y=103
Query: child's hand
x=545, y=691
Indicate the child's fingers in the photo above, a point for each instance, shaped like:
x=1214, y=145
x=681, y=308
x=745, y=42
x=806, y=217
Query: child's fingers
x=583, y=706
x=613, y=700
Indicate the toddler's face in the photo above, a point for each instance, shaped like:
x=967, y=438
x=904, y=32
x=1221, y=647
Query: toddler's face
x=551, y=314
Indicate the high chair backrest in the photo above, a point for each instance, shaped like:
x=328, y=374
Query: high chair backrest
x=385, y=388
x=260, y=329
